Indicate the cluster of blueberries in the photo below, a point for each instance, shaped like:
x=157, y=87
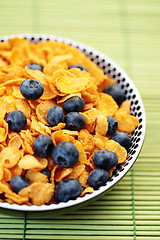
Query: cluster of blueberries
x=65, y=154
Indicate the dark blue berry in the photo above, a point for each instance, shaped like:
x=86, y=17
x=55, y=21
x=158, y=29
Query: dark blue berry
x=35, y=66
x=31, y=89
x=46, y=172
x=116, y=92
x=74, y=121
x=105, y=159
x=123, y=139
x=97, y=178
x=67, y=189
x=43, y=146
x=16, y=120
x=112, y=125
x=19, y=182
x=82, y=68
x=73, y=104
x=65, y=154
x=54, y=116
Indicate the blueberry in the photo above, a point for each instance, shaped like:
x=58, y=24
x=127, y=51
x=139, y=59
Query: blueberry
x=54, y=116
x=112, y=125
x=73, y=104
x=19, y=182
x=82, y=68
x=123, y=139
x=74, y=121
x=16, y=120
x=67, y=189
x=116, y=92
x=31, y=89
x=43, y=146
x=65, y=154
x=97, y=178
x=46, y=172
x=105, y=159
x=35, y=66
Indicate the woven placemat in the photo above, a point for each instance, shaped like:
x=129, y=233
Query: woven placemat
x=128, y=31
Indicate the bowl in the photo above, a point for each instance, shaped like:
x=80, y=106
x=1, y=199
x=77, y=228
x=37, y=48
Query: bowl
x=137, y=109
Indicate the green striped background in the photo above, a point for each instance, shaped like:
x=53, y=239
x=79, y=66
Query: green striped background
x=128, y=31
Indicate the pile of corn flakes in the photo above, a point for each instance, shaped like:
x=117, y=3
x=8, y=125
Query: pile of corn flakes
x=60, y=83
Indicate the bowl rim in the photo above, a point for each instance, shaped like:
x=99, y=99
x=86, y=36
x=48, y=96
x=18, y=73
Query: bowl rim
x=114, y=179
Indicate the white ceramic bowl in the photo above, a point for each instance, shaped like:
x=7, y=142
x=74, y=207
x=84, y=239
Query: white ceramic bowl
x=137, y=109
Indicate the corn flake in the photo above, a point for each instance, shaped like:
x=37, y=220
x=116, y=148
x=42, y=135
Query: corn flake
x=23, y=105
x=42, y=110
x=36, y=74
x=27, y=141
x=2, y=112
x=87, y=190
x=76, y=171
x=39, y=193
x=63, y=99
x=110, y=171
x=126, y=105
x=16, y=92
x=3, y=131
x=67, y=82
x=62, y=173
x=4, y=187
x=16, y=170
x=34, y=176
x=106, y=82
x=39, y=127
x=48, y=93
x=7, y=174
x=15, y=141
x=107, y=106
x=59, y=136
x=9, y=157
x=83, y=178
x=102, y=125
x=50, y=68
x=97, y=73
x=30, y=162
x=90, y=116
x=2, y=90
x=52, y=178
x=10, y=103
x=115, y=147
x=126, y=122
x=86, y=140
x=60, y=126
x=1, y=171
x=100, y=141
x=90, y=95
x=82, y=155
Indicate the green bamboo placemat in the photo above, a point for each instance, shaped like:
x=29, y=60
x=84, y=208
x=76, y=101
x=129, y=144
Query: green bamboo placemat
x=128, y=31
